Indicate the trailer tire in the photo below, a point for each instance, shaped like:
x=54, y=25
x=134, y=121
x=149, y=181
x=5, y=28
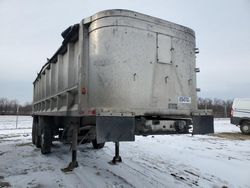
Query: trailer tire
x=34, y=133
x=181, y=128
x=96, y=145
x=46, y=141
x=245, y=127
x=37, y=137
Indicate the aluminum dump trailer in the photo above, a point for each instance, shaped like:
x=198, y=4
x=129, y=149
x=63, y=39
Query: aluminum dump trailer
x=117, y=74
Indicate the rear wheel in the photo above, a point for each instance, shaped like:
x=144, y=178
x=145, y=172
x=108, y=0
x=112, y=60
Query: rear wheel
x=34, y=130
x=181, y=127
x=36, y=138
x=46, y=141
x=245, y=127
x=34, y=133
x=96, y=145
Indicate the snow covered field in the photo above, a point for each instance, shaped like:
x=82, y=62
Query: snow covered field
x=153, y=161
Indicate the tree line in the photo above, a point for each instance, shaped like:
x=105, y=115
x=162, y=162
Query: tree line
x=12, y=107
x=221, y=108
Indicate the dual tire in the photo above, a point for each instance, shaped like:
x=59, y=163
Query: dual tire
x=42, y=136
x=36, y=139
x=46, y=141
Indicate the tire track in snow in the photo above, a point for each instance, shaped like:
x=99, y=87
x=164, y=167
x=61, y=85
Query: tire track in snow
x=129, y=174
x=182, y=173
x=147, y=177
x=96, y=175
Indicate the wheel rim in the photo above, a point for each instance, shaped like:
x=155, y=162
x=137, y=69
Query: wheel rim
x=245, y=128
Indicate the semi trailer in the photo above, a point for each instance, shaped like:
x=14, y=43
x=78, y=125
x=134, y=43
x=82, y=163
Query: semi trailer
x=118, y=74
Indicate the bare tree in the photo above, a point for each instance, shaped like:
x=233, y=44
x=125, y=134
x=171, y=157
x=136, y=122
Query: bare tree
x=9, y=107
x=221, y=108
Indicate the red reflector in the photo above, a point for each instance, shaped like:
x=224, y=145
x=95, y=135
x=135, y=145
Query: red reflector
x=92, y=112
x=84, y=90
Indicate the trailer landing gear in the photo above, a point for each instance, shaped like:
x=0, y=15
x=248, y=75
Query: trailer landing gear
x=73, y=164
x=117, y=158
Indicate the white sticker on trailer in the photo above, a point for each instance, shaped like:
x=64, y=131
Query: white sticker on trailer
x=184, y=99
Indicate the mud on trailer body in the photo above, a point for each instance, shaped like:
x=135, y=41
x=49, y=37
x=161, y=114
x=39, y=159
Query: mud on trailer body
x=117, y=74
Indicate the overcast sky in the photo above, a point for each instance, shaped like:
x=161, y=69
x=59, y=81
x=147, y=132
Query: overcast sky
x=30, y=31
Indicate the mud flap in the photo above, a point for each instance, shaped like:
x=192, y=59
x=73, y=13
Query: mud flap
x=203, y=124
x=115, y=129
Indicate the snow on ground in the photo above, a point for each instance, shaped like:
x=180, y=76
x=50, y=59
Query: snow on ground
x=223, y=125
x=14, y=128
x=153, y=161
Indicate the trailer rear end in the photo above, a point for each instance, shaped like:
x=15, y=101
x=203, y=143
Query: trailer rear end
x=117, y=74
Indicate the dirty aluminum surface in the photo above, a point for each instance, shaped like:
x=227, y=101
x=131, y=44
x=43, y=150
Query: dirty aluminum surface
x=124, y=63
